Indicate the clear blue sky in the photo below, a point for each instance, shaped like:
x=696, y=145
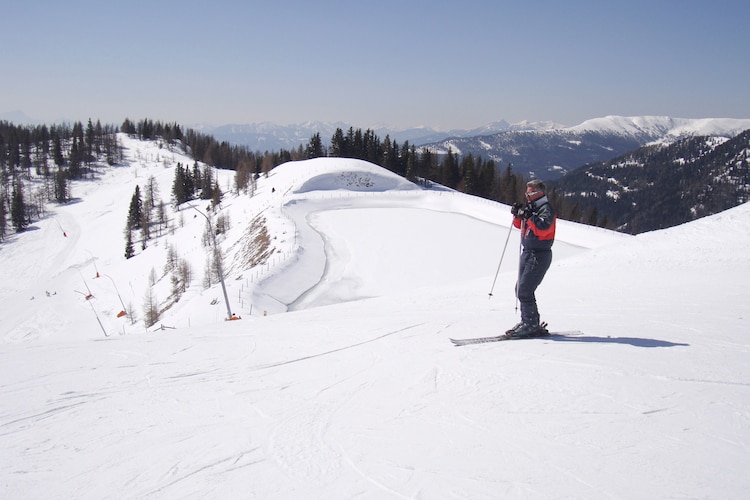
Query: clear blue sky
x=446, y=64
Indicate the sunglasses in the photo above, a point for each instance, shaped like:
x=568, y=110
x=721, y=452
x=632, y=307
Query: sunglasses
x=532, y=193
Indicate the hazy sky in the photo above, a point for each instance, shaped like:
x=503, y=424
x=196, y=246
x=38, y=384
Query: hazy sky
x=446, y=64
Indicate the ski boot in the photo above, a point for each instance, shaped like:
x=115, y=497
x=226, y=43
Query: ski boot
x=528, y=330
x=513, y=330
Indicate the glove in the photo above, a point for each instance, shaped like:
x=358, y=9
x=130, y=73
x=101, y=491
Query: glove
x=524, y=213
x=520, y=211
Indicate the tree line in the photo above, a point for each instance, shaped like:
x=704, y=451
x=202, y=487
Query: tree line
x=58, y=154
x=38, y=163
x=54, y=155
x=468, y=174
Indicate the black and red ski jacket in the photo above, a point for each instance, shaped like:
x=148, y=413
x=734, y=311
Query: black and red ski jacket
x=539, y=229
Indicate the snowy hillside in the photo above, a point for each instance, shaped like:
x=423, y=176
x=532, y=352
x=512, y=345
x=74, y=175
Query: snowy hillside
x=339, y=381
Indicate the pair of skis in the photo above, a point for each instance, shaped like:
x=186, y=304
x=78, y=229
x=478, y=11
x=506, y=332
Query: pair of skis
x=543, y=332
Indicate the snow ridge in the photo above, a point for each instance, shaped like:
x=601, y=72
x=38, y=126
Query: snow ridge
x=663, y=126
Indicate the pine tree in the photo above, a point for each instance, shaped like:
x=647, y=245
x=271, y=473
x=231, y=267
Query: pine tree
x=183, y=187
x=487, y=183
x=135, y=213
x=26, y=159
x=315, y=147
x=57, y=151
x=77, y=152
x=206, y=180
x=145, y=228
x=469, y=178
x=449, y=172
x=61, y=186
x=90, y=139
x=403, y=159
x=129, y=251
x=3, y=221
x=338, y=144
x=178, y=186
x=429, y=165
x=18, y=214
x=509, y=186
x=74, y=160
x=99, y=137
x=390, y=154
x=128, y=127
x=412, y=167
x=216, y=194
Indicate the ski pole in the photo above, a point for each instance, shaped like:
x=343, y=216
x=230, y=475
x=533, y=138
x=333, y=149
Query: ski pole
x=520, y=255
x=510, y=229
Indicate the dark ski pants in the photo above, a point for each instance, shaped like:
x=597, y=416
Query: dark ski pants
x=533, y=267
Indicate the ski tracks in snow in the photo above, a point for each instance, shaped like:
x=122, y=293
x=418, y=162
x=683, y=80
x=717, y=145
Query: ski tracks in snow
x=339, y=349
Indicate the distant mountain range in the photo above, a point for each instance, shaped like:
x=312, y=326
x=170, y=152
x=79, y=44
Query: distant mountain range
x=268, y=136
x=546, y=150
x=553, y=152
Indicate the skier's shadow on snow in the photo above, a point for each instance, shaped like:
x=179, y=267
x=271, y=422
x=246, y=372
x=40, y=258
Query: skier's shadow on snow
x=637, y=342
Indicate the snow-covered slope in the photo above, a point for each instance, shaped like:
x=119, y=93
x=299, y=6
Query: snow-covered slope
x=357, y=391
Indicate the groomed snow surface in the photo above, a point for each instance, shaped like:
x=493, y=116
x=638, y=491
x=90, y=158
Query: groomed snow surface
x=340, y=381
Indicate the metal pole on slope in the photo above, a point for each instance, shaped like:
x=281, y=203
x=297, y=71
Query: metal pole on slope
x=98, y=320
x=90, y=295
x=502, y=256
x=93, y=259
x=217, y=257
x=117, y=291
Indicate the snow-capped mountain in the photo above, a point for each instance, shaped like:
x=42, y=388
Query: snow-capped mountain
x=662, y=127
x=340, y=381
x=555, y=151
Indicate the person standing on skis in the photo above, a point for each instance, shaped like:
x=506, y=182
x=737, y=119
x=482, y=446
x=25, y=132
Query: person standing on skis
x=536, y=220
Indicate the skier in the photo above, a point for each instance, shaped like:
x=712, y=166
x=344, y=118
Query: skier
x=537, y=221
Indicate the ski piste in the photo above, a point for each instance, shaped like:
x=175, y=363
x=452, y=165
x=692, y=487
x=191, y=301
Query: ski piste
x=505, y=336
